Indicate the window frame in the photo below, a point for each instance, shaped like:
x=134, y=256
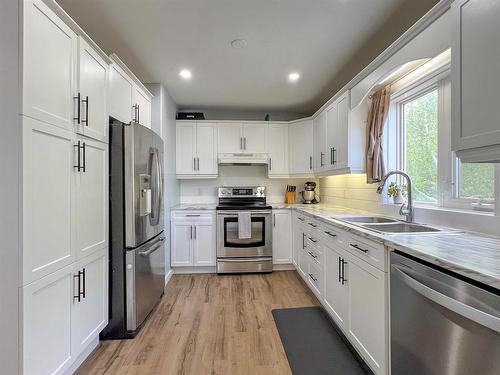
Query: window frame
x=448, y=164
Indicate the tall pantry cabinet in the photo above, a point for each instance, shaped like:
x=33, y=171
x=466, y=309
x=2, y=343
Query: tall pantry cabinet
x=64, y=259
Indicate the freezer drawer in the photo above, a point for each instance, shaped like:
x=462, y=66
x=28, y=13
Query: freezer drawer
x=145, y=280
x=244, y=265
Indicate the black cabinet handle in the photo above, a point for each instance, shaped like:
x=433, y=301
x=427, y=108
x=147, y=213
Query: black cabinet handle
x=78, y=110
x=77, y=297
x=310, y=162
x=321, y=159
x=330, y=233
x=334, y=150
x=303, y=240
x=77, y=166
x=312, y=277
x=84, y=282
x=86, y=120
x=84, y=158
x=343, y=271
x=301, y=219
x=358, y=248
x=340, y=269
x=311, y=254
x=312, y=225
x=312, y=239
x=138, y=113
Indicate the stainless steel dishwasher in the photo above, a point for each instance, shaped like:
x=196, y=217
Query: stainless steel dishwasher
x=440, y=324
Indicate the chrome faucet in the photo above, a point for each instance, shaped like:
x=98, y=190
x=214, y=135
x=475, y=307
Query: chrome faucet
x=406, y=209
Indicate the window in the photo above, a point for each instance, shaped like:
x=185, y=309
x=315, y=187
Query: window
x=418, y=141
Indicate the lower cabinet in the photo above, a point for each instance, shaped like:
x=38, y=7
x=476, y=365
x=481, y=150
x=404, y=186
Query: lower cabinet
x=193, y=239
x=62, y=313
x=282, y=237
x=336, y=296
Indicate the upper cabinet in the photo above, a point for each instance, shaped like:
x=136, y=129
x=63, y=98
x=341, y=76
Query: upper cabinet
x=129, y=99
x=92, y=113
x=49, y=62
x=475, y=80
x=196, y=150
x=320, y=142
x=278, y=150
x=242, y=138
x=301, y=148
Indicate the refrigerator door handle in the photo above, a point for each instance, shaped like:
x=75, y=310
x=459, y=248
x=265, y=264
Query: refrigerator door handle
x=155, y=212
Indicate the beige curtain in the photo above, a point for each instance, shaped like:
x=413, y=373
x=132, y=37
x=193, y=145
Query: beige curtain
x=375, y=168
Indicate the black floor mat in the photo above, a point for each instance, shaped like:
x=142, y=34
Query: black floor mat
x=312, y=345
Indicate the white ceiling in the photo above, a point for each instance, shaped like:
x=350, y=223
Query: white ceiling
x=158, y=38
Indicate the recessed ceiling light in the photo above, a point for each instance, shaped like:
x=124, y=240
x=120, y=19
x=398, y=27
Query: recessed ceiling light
x=294, y=77
x=239, y=43
x=185, y=74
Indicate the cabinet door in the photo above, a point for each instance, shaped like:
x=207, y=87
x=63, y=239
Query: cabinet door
x=182, y=244
x=340, y=154
x=229, y=138
x=120, y=94
x=89, y=316
x=336, y=294
x=92, y=198
x=320, y=155
x=143, y=103
x=367, y=312
x=47, y=323
x=93, y=79
x=255, y=138
x=301, y=148
x=297, y=241
x=206, y=149
x=185, y=148
x=332, y=141
x=278, y=150
x=204, y=245
x=49, y=57
x=303, y=259
x=48, y=199
x=475, y=79
x=282, y=238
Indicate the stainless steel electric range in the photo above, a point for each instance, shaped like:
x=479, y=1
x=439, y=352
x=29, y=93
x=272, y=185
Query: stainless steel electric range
x=253, y=252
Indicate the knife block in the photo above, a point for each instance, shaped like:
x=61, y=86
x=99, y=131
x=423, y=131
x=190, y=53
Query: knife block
x=290, y=197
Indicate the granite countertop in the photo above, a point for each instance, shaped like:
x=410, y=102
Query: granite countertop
x=469, y=254
x=194, y=206
x=472, y=255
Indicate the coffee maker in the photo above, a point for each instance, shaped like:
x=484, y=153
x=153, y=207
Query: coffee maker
x=309, y=194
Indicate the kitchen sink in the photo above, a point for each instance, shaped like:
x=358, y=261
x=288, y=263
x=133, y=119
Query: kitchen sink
x=401, y=227
x=368, y=219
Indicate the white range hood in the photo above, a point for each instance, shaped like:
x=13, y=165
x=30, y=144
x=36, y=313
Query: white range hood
x=242, y=159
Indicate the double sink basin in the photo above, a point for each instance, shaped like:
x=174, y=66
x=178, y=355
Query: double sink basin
x=386, y=225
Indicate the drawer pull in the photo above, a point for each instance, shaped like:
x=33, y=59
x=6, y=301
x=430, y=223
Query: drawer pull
x=301, y=219
x=312, y=277
x=313, y=225
x=311, y=254
x=357, y=247
x=193, y=215
x=330, y=233
x=312, y=239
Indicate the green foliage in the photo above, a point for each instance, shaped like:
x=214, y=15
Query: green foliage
x=477, y=181
x=392, y=191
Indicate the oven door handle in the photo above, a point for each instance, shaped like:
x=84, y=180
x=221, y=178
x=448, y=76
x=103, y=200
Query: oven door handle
x=243, y=260
x=458, y=307
x=252, y=213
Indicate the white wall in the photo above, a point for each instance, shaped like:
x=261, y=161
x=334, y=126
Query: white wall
x=248, y=115
x=205, y=191
x=163, y=121
x=353, y=191
x=10, y=150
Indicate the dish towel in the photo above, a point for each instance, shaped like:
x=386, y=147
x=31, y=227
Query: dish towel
x=244, y=225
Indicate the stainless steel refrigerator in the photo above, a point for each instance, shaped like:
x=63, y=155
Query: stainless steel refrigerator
x=137, y=256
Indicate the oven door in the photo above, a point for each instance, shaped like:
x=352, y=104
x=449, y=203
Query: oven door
x=230, y=245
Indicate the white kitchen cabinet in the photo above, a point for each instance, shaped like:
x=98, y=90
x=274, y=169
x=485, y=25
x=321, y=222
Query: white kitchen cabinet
x=90, y=314
x=196, y=150
x=282, y=237
x=475, y=80
x=142, y=107
x=337, y=135
x=368, y=322
x=278, y=150
x=48, y=199
x=320, y=154
x=242, y=138
x=91, y=197
x=92, y=119
x=301, y=149
x=47, y=305
x=193, y=239
x=121, y=87
x=336, y=296
x=49, y=60
x=203, y=252
x=315, y=276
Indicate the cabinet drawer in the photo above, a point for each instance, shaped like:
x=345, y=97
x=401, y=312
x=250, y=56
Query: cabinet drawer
x=372, y=252
x=193, y=217
x=315, y=278
x=313, y=240
x=332, y=236
x=314, y=254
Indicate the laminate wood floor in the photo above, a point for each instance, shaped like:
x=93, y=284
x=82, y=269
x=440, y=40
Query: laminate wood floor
x=209, y=324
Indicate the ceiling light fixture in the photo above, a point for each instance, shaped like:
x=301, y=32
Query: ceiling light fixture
x=293, y=77
x=239, y=43
x=185, y=74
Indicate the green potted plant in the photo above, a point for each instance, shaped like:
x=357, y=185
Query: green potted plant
x=397, y=193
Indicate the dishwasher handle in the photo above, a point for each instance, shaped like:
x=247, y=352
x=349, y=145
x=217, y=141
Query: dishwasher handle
x=460, y=308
